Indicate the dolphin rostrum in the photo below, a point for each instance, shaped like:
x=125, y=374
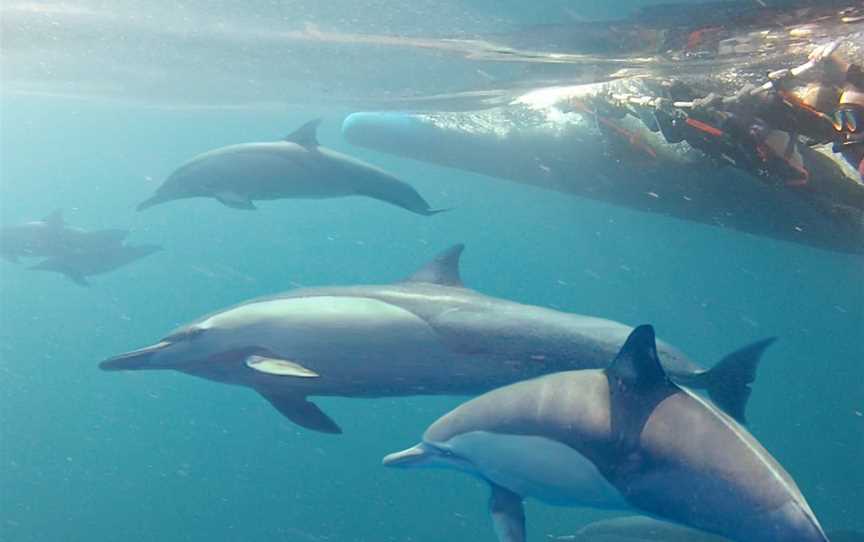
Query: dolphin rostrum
x=77, y=267
x=422, y=336
x=625, y=437
x=296, y=167
x=52, y=237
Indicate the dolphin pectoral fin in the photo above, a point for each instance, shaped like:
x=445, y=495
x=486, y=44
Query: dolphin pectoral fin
x=306, y=135
x=508, y=514
x=728, y=382
x=302, y=412
x=235, y=201
x=279, y=367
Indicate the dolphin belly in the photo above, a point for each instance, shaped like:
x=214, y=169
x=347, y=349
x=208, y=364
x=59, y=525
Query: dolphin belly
x=537, y=467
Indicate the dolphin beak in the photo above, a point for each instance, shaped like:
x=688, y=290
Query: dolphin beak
x=407, y=458
x=134, y=360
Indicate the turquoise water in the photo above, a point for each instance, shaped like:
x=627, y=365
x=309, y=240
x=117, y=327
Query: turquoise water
x=89, y=455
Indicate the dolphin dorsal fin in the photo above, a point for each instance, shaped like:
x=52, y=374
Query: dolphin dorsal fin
x=637, y=363
x=443, y=270
x=55, y=219
x=306, y=135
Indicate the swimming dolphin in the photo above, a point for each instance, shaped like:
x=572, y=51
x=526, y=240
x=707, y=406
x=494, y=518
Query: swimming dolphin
x=425, y=335
x=77, y=267
x=625, y=437
x=296, y=167
x=51, y=237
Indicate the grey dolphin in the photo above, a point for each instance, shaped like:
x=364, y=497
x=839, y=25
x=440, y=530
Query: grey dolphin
x=425, y=335
x=52, y=237
x=297, y=167
x=625, y=437
x=77, y=267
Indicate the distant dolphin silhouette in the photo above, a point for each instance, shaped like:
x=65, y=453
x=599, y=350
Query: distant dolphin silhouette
x=297, y=167
x=77, y=267
x=422, y=336
x=625, y=438
x=51, y=237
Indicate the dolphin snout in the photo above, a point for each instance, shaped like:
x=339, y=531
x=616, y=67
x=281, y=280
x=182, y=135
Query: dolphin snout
x=407, y=458
x=134, y=360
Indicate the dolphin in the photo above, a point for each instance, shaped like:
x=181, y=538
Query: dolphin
x=425, y=335
x=296, y=167
x=52, y=237
x=647, y=529
x=624, y=437
x=77, y=267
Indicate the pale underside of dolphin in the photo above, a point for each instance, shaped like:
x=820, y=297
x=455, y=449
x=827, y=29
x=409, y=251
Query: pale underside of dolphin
x=541, y=139
x=425, y=335
x=296, y=167
x=624, y=437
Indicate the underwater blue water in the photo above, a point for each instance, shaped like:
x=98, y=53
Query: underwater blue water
x=89, y=455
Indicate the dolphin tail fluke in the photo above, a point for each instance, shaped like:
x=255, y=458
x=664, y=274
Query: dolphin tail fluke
x=508, y=514
x=728, y=382
x=302, y=412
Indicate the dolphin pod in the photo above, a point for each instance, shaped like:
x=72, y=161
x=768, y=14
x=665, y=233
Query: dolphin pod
x=296, y=167
x=363, y=341
x=624, y=437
